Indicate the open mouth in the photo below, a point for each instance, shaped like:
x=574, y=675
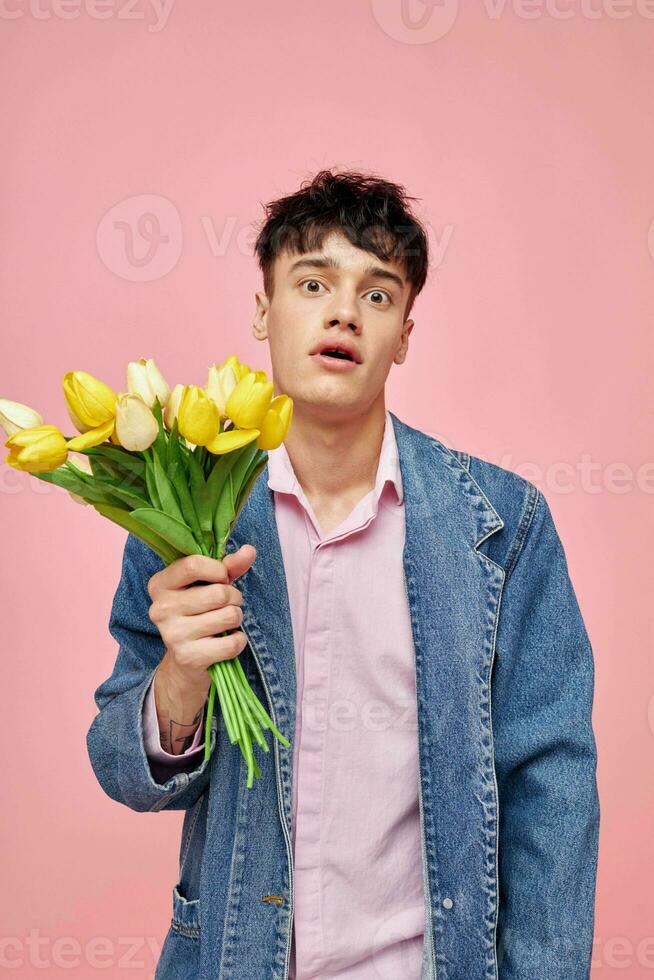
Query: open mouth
x=337, y=353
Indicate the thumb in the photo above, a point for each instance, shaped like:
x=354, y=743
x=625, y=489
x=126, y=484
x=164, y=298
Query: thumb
x=239, y=561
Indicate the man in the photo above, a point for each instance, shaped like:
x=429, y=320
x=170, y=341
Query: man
x=408, y=619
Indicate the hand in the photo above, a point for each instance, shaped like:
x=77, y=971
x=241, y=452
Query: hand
x=193, y=599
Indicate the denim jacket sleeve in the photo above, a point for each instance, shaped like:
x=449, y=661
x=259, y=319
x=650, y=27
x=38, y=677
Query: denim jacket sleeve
x=545, y=753
x=115, y=740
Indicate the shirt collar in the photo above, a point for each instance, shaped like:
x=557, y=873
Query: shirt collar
x=281, y=476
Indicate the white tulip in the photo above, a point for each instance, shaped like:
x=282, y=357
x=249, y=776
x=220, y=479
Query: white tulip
x=172, y=406
x=14, y=417
x=220, y=384
x=136, y=426
x=145, y=379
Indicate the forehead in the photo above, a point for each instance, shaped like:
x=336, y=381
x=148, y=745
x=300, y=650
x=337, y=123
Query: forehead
x=341, y=253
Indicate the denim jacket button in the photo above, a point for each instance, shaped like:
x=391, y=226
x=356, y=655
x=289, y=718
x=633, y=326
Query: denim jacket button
x=447, y=903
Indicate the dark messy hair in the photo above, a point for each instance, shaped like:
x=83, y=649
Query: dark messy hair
x=372, y=213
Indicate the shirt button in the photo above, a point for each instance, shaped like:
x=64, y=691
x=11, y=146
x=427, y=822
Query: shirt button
x=447, y=903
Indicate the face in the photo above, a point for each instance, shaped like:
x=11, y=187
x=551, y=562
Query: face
x=339, y=294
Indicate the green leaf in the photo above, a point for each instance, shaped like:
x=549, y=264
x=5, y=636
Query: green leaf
x=199, y=493
x=226, y=509
x=261, y=456
x=174, y=451
x=113, y=490
x=178, y=476
x=175, y=532
x=218, y=476
x=242, y=465
x=250, y=480
x=159, y=446
x=150, y=481
x=224, y=515
x=122, y=457
x=104, y=467
x=126, y=497
x=77, y=482
x=108, y=470
x=165, y=491
x=151, y=538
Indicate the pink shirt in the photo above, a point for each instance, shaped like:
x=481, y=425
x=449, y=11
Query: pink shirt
x=359, y=902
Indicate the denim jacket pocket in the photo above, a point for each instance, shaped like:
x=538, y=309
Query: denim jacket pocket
x=186, y=915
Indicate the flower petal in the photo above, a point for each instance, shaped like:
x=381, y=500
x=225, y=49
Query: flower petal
x=232, y=439
x=93, y=437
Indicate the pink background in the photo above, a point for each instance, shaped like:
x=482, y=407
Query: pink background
x=527, y=136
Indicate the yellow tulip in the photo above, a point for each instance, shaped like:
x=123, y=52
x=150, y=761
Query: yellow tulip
x=225, y=442
x=14, y=417
x=91, y=403
x=94, y=437
x=197, y=419
x=136, y=426
x=240, y=370
x=276, y=423
x=171, y=411
x=38, y=449
x=145, y=379
x=220, y=384
x=250, y=400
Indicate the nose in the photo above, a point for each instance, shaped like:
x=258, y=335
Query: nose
x=344, y=313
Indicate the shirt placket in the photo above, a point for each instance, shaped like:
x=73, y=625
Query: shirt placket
x=313, y=710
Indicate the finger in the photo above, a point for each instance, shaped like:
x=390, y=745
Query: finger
x=203, y=598
x=191, y=569
x=215, y=621
x=211, y=649
x=239, y=561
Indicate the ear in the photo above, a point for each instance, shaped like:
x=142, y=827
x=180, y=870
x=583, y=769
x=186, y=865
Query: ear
x=259, y=328
x=401, y=352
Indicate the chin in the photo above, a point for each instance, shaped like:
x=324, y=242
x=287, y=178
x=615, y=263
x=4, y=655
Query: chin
x=330, y=405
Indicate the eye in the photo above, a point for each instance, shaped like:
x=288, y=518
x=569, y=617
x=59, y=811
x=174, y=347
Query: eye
x=380, y=293
x=311, y=282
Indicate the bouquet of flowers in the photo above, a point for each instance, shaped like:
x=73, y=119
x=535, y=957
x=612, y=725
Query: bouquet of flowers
x=174, y=468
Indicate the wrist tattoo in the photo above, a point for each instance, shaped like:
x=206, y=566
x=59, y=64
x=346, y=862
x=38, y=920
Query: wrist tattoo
x=177, y=737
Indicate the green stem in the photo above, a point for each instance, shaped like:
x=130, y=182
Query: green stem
x=246, y=748
x=245, y=695
x=259, y=708
x=246, y=716
x=243, y=712
x=226, y=702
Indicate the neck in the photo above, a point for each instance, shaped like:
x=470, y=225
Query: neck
x=333, y=457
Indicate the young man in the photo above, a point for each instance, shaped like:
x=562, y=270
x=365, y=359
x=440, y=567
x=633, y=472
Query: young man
x=408, y=618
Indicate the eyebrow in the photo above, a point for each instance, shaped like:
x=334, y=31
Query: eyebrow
x=327, y=262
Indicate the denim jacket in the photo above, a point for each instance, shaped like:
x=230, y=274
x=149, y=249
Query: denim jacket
x=507, y=756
